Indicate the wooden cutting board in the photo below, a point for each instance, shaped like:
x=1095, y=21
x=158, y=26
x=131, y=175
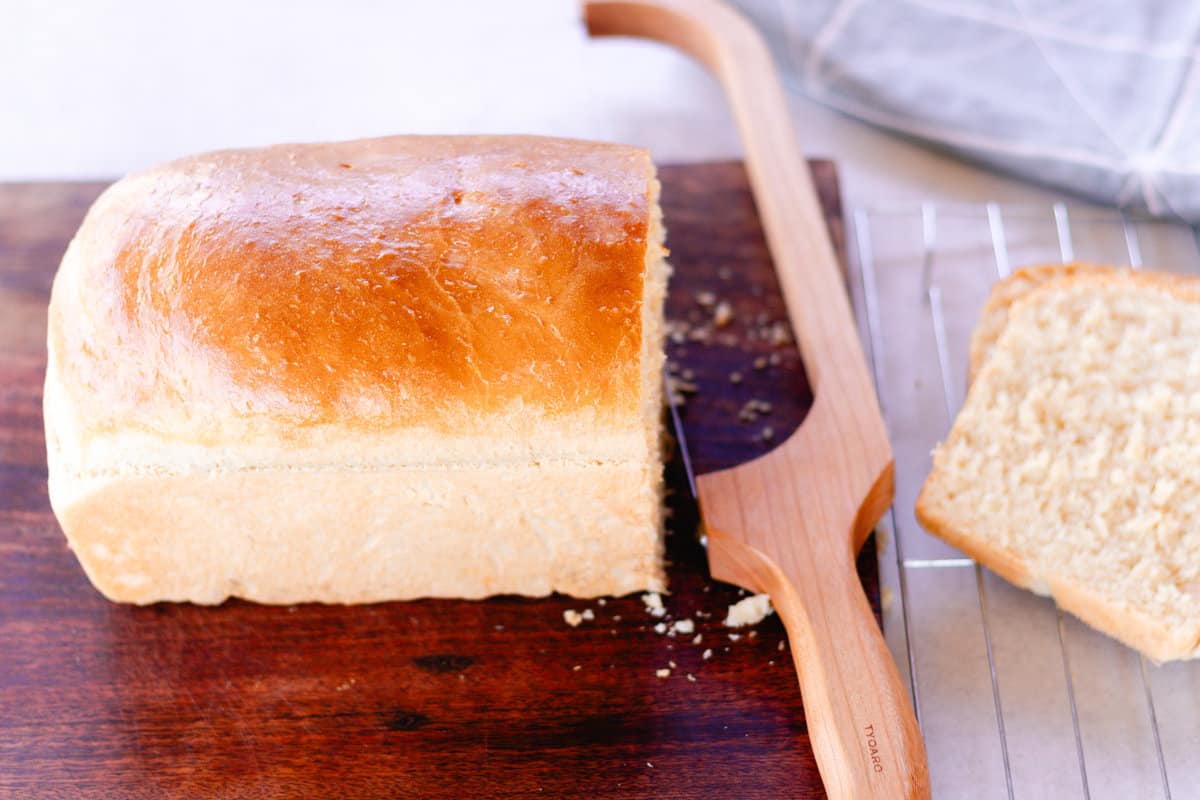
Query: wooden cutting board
x=424, y=699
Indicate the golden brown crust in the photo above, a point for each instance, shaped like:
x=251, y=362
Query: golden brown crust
x=1003, y=562
x=1152, y=637
x=376, y=283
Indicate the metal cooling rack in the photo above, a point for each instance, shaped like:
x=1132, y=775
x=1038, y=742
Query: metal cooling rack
x=1015, y=698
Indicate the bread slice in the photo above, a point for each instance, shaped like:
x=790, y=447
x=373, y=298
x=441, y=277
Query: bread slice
x=1073, y=468
x=363, y=371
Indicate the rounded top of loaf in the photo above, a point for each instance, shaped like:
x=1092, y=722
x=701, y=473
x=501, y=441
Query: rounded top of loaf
x=401, y=281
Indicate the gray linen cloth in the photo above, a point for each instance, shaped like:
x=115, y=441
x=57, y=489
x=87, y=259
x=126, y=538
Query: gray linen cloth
x=1098, y=97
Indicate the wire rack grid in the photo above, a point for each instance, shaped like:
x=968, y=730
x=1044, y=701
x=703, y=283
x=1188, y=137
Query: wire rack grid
x=1015, y=698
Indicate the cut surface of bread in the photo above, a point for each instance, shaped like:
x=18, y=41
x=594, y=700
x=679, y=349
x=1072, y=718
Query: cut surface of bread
x=1073, y=468
x=364, y=371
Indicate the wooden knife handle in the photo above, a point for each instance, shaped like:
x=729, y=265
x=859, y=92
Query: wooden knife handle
x=858, y=714
x=852, y=691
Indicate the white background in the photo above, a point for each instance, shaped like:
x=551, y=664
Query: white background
x=96, y=89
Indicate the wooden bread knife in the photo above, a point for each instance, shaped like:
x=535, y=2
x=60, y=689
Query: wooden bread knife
x=790, y=522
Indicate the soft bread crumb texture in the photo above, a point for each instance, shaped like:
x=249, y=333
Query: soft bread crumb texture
x=994, y=316
x=1073, y=468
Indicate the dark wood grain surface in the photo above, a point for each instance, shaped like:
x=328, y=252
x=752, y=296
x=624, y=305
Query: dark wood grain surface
x=425, y=699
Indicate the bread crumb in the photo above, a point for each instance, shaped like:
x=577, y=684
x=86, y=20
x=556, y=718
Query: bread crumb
x=782, y=645
x=671, y=664
x=654, y=604
x=576, y=668
x=749, y=611
x=735, y=378
x=676, y=330
x=768, y=433
x=722, y=314
x=752, y=408
x=588, y=614
x=691, y=678
x=774, y=359
x=707, y=654
x=600, y=601
x=684, y=626
x=698, y=638
x=662, y=673
x=780, y=335
x=572, y=617
x=751, y=634
x=734, y=637
x=760, y=363
x=682, y=386
x=706, y=299
x=660, y=628
x=648, y=764
x=616, y=617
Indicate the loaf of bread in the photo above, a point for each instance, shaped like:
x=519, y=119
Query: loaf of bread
x=1073, y=468
x=364, y=371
